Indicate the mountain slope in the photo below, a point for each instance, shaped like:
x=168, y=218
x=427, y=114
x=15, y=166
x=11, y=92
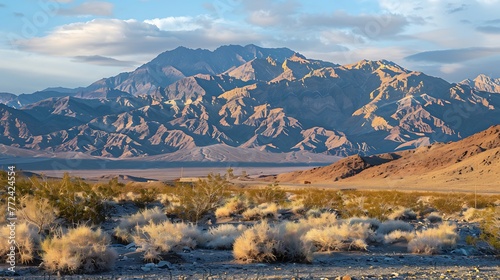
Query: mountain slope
x=473, y=160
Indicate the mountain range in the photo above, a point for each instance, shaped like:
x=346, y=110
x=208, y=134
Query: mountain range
x=237, y=99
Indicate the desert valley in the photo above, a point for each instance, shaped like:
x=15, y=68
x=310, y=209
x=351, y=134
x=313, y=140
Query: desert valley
x=253, y=163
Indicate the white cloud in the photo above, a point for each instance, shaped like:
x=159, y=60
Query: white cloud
x=175, y=23
x=114, y=37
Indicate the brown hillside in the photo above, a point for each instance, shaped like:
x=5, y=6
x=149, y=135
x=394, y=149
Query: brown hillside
x=472, y=161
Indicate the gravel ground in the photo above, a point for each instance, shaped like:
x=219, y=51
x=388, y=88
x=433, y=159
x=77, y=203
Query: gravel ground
x=210, y=264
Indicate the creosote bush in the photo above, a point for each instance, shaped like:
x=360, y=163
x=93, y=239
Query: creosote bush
x=490, y=227
x=75, y=200
x=201, y=199
x=38, y=212
x=80, y=250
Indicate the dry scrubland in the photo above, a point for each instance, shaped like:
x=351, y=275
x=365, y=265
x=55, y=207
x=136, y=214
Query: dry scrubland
x=69, y=226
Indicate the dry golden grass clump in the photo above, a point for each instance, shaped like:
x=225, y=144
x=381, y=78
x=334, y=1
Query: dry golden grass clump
x=264, y=210
x=221, y=237
x=158, y=239
x=233, y=206
x=267, y=243
x=434, y=240
x=127, y=224
x=343, y=236
x=80, y=250
x=27, y=242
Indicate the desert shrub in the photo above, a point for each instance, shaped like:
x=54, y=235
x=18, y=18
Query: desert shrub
x=38, y=212
x=326, y=199
x=339, y=237
x=434, y=240
x=297, y=207
x=200, y=199
x=490, y=227
x=222, y=236
x=27, y=242
x=127, y=224
x=398, y=236
x=270, y=194
x=447, y=204
x=80, y=250
x=266, y=243
x=75, y=200
x=390, y=226
x=145, y=197
x=401, y=213
x=434, y=217
x=158, y=239
x=264, y=210
x=110, y=190
x=324, y=219
x=479, y=201
x=470, y=214
x=354, y=207
x=233, y=206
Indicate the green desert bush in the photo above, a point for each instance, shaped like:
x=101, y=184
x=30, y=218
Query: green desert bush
x=80, y=250
x=75, y=200
x=324, y=199
x=270, y=194
x=27, y=242
x=434, y=240
x=447, y=204
x=127, y=225
x=490, y=226
x=204, y=197
x=266, y=243
x=145, y=197
x=156, y=240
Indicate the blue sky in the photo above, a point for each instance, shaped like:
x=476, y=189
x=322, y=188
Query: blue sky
x=73, y=43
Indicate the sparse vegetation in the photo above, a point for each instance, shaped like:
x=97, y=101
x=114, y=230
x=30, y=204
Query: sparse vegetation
x=203, y=197
x=27, y=242
x=127, y=224
x=158, y=239
x=268, y=243
x=434, y=240
x=80, y=250
x=280, y=226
